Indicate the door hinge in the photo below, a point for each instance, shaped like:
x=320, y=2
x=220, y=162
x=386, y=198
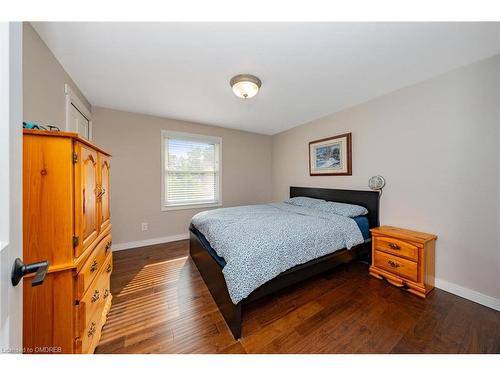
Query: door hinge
x=75, y=241
x=75, y=157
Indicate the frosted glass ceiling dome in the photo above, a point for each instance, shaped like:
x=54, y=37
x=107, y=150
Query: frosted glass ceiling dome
x=245, y=86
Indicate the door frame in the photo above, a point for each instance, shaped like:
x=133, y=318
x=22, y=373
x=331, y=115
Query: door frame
x=11, y=189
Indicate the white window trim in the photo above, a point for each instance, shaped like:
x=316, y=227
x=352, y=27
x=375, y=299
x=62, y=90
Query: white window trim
x=73, y=99
x=189, y=137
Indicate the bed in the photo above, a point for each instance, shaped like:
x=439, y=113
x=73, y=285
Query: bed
x=230, y=301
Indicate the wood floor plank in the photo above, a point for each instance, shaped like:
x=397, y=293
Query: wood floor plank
x=162, y=305
x=253, y=343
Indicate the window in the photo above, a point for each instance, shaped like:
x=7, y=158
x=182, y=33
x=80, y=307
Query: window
x=190, y=170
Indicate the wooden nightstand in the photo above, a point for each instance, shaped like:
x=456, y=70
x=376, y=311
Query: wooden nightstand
x=404, y=258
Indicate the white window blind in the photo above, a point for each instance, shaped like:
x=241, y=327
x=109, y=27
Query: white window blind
x=191, y=170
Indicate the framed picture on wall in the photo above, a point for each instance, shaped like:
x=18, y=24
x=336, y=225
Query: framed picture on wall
x=331, y=156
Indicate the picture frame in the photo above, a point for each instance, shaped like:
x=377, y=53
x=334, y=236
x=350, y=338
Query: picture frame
x=331, y=156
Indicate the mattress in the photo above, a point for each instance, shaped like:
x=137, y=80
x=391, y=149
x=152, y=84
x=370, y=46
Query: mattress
x=361, y=221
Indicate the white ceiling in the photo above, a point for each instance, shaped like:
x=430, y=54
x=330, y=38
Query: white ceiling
x=308, y=70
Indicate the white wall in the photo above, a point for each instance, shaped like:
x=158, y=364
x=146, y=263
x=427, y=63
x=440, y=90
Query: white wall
x=438, y=145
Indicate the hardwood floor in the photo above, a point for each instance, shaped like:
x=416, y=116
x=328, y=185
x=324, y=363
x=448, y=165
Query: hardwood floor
x=161, y=305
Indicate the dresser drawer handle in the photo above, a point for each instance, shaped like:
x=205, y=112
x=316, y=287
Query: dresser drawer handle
x=109, y=268
x=93, y=266
x=393, y=264
x=91, y=330
x=95, y=297
x=108, y=246
x=394, y=246
x=106, y=294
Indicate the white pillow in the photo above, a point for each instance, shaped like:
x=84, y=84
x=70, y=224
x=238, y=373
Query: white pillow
x=342, y=209
x=304, y=201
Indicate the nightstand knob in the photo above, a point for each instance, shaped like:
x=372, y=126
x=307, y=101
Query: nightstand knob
x=394, y=246
x=393, y=264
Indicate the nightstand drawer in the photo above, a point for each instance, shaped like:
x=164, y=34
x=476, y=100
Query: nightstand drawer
x=396, y=247
x=399, y=266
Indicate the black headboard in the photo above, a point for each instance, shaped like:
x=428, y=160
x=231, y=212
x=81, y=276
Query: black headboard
x=368, y=199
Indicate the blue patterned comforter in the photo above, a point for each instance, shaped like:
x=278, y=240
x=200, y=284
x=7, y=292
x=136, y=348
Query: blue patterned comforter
x=261, y=241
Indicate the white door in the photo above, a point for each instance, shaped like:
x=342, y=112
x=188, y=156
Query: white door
x=78, y=117
x=10, y=183
x=79, y=122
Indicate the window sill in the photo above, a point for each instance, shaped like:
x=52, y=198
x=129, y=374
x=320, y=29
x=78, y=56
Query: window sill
x=190, y=206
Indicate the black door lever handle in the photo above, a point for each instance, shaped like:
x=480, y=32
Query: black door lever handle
x=19, y=270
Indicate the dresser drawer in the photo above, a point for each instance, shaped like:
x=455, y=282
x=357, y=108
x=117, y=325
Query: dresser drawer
x=396, y=265
x=396, y=247
x=90, y=336
x=93, y=302
x=93, y=265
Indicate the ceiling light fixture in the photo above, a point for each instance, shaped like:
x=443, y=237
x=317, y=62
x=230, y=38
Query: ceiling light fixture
x=245, y=86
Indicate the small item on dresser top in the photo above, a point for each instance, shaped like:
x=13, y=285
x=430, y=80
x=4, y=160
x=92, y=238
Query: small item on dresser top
x=404, y=258
x=33, y=126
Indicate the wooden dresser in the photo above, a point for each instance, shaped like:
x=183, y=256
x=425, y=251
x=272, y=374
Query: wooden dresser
x=404, y=258
x=66, y=221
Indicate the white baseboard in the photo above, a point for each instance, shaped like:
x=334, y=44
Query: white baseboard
x=469, y=294
x=148, y=242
